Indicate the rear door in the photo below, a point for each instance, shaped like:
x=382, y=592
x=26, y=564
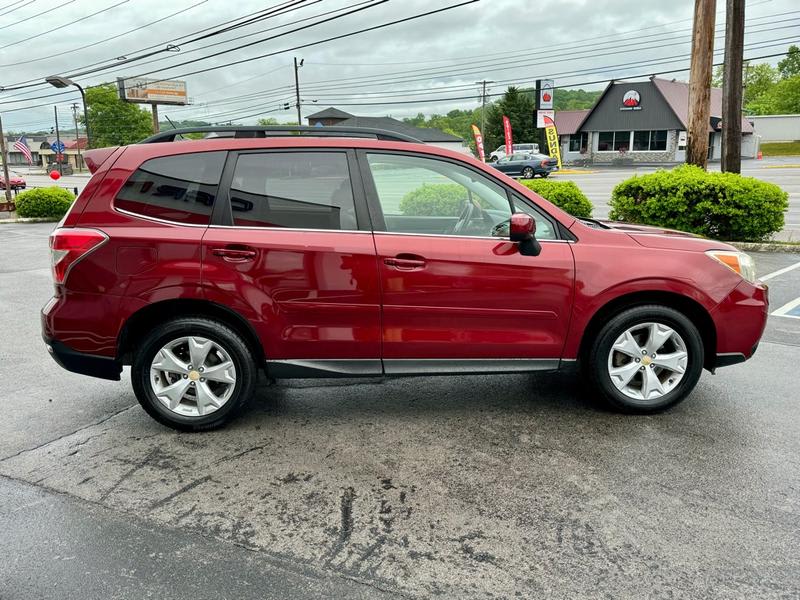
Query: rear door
x=455, y=288
x=291, y=250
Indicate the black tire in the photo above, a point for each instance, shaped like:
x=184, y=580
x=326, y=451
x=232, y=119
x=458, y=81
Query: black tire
x=545, y=174
x=221, y=334
x=528, y=173
x=596, y=369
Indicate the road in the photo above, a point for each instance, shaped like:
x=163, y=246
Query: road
x=460, y=487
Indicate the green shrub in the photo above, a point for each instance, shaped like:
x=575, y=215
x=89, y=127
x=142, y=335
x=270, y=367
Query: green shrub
x=50, y=202
x=717, y=205
x=564, y=194
x=434, y=199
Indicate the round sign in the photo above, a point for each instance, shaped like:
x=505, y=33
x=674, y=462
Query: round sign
x=54, y=175
x=631, y=98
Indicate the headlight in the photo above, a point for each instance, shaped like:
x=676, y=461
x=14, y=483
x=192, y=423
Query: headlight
x=736, y=261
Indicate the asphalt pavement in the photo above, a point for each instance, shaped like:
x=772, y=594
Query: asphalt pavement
x=456, y=487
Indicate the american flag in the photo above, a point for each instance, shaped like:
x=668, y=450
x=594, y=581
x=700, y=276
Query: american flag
x=21, y=146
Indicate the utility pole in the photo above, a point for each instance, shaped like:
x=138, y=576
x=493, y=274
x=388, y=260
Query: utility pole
x=732, y=87
x=155, y=118
x=58, y=142
x=700, y=83
x=297, y=88
x=77, y=139
x=483, y=85
x=4, y=157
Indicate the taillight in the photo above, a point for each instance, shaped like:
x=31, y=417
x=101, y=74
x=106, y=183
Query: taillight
x=68, y=246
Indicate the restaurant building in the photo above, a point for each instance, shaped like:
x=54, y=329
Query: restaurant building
x=641, y=122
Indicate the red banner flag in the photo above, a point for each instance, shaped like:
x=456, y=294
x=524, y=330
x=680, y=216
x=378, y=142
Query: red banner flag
x=507, y=132
x=476, y=132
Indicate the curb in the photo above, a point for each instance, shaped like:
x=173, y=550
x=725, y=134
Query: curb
x=766, y=247
x=30, y=220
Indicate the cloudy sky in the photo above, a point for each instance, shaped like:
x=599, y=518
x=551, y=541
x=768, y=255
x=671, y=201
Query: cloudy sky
x=425, y=65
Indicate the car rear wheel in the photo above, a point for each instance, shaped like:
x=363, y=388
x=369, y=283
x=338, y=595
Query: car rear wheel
x=193, y=374
x=546, y=174
x=646, y=359
x=527, y=173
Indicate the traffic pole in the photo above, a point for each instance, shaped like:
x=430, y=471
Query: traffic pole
x=4, y=156
x=77, y=141
x=58, y=142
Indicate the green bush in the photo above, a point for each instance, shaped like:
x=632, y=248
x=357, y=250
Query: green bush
x=717, y=205
x=50, y=202
x=434, y=199
x=564, y=194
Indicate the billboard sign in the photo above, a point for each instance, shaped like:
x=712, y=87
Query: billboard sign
x=152, y=91
x=546, y=95
x=542, y=115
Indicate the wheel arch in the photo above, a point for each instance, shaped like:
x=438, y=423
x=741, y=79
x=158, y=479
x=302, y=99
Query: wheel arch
x=140, y=322
x=693, y=310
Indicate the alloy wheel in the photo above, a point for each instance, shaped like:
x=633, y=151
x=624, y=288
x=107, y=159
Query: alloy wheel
x=647, y=361
x=193, y=376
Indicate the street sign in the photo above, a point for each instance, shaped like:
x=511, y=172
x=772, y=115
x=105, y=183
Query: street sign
x=541, y=115
x=57, y=147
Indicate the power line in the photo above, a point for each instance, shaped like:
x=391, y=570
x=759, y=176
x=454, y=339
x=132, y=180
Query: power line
x=41, y=14
x=41, y=33
x=108, y=39
x=8, y=12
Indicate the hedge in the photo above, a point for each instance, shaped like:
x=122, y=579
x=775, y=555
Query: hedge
x=716, y=205
x=434, y=199
x=564, y=194
x=51, y=202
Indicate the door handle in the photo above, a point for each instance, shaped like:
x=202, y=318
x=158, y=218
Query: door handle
x=234, y=254
x=405, y=262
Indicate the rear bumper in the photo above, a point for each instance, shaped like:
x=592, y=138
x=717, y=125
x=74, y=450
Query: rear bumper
x=85, y=364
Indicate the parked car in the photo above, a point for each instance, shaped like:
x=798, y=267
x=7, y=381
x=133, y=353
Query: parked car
x=201, y=263
x=15, y=180
x=516, y=148
x=526, y=166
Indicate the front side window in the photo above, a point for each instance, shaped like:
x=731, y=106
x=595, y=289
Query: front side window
x=301, y=190
x=432, y=196
x=180, y=188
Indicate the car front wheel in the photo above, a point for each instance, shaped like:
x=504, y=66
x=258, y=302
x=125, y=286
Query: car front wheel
x=193, y=373
x=645, y=359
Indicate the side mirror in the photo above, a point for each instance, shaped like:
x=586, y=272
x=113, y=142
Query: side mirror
x=522, y=228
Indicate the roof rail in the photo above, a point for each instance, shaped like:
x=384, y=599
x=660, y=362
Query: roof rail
x=255, y=131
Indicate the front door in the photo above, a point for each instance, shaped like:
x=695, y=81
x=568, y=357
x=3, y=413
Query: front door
x=293, y=254
x=454, y=287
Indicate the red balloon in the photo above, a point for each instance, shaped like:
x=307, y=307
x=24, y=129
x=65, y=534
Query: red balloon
x=54, y=175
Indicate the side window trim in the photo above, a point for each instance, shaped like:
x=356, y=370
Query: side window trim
x=223, y=215
x=373, y=202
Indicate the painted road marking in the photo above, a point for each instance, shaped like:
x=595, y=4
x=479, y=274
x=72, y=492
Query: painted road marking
x=790, y=310
x=769, y=276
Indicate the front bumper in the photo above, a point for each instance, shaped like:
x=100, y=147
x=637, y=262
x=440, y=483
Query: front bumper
x=740, y=320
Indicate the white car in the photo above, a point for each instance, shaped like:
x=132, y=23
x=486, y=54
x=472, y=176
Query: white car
x=518, y=149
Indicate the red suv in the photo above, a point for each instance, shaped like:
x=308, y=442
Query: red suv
x=324, y=252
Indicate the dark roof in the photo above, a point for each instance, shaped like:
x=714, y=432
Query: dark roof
x=330, y=113
x=676, y=93
x=570, y=121
x=425, y=134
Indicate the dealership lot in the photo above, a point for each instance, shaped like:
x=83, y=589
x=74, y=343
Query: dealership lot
x=492, y=486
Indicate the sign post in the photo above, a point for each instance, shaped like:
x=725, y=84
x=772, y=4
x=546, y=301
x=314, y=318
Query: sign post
x=544, y=106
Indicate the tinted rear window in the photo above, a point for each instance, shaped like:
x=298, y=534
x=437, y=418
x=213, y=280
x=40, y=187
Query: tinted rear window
x=179, y=188
x=305, y=190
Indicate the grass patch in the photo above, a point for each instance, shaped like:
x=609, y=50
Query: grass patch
x=781, y=148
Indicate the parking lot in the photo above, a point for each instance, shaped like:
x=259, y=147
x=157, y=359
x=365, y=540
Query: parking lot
x=488, y=487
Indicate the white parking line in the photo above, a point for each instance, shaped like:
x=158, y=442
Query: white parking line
x=769, y=276
x=784, y=310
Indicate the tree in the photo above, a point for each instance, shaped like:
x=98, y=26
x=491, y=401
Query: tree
x=268, y=121
x=790, y=66
x=782, y=99
x=518, y=106
x=758, y=79
x=113, y=122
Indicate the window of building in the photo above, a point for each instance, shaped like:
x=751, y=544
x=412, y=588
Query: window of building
x=578, y=141
x=622, y=141
x=432, y=196
x=605, y=141
x=301, y=190
x=179, y=188
x=652, y=141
